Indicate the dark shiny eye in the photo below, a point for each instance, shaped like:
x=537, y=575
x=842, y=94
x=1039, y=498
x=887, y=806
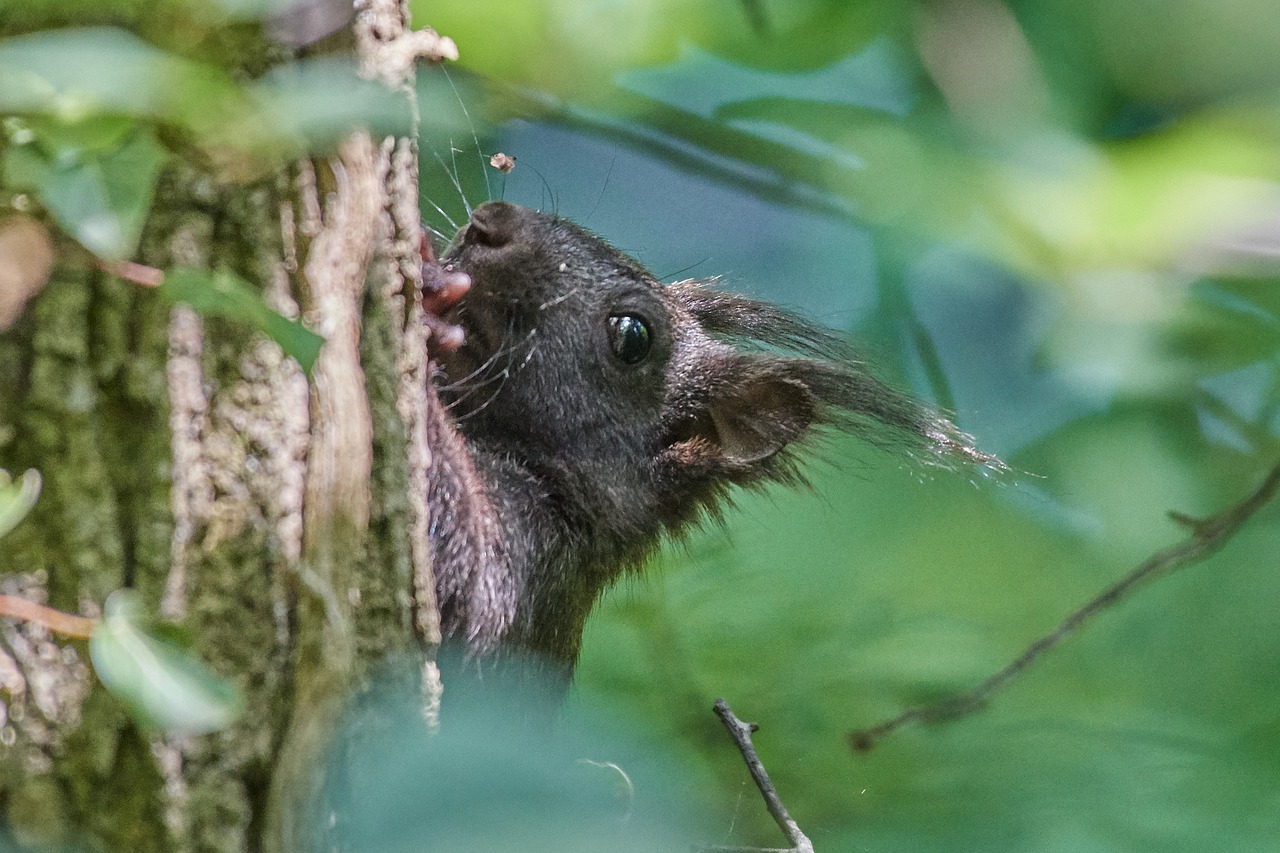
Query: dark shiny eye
x=629, y=337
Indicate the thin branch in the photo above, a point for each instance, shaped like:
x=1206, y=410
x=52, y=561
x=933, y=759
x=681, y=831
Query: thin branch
x=741, y=734
x=55, y=620
x=139, y=274
x=1207, y=536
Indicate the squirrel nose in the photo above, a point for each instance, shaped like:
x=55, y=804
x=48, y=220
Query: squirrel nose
x=492, y=224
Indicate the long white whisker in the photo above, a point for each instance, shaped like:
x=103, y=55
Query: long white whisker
x=453, y=176
x=503, y=375
x=551, y=303
x=505, y=350
x=453, y=158
x=440, y=210
x=488, y=188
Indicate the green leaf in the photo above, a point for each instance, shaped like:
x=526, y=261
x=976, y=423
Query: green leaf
x=79, y=73
x=224, y=294
x=103, y=73
x=314, y=103
x=96, y=178
x=16, y=499
x=163, y=684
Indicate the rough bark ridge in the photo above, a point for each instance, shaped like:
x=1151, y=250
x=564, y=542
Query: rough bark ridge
x=188, y=459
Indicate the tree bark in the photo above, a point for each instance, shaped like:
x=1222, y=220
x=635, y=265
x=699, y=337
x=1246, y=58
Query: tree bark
x=280, y=520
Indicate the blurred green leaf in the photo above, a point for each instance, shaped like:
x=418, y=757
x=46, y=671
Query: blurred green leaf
x=17, y=498
x=873, y=78
x=1218, y=330
x=1258, y=298
x=96, y=73
x=315, y=102
x=95, y=177
x=76, y=73
x=224, y=294
x=496, y=776
x=163, y=684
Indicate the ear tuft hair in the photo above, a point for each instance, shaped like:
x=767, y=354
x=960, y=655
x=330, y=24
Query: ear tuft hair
x=817, y=380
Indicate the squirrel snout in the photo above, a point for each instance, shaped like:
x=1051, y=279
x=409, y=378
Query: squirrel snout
x=492, y=224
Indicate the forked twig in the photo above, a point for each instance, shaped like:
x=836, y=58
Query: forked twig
x=1207, y=536
x=741, y=734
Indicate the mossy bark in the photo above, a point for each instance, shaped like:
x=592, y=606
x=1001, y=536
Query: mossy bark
x=86, y=406
x=191, y=460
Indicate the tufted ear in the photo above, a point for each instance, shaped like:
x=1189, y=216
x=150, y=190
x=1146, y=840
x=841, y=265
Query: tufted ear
x=759, y=417
x=756, y=409
x=764, y=381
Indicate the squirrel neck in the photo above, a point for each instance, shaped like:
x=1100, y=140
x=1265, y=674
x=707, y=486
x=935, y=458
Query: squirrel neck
x=569, y=534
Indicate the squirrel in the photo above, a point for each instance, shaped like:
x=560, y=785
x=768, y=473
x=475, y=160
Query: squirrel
x=582, y=410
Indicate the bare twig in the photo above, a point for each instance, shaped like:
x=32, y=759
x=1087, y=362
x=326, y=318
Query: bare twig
x=1207, y=536
x=741, y=734
x=139, y=274
x=55, y=620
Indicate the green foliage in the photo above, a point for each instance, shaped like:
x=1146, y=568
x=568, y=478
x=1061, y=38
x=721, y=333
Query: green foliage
x=495, y=776
x=94, y=114
x=150, y=667
x=95, y=177
x=223, y=294
x=81, y=75
x=16, y=499
x=1058, y=219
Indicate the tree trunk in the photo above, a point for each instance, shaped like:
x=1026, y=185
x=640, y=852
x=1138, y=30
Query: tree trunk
x=280, y=520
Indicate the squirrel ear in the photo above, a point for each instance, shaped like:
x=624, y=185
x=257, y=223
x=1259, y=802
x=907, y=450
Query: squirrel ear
x=748, y=420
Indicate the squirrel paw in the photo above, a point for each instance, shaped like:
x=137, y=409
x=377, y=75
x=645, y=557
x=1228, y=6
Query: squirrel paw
x=441, y=290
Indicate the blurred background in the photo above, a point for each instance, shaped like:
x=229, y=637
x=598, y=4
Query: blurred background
x=1058, y=220
x=1061, y=222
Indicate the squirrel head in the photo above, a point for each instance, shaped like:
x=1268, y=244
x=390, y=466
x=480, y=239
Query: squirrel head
x=638, y=405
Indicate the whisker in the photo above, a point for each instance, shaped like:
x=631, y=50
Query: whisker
x=547, y=192
x=453, y=177
x=504, y=375
x=684, y=270
x=500, y=378
x=505, y=350
x=561, y=298
x=488, y=188
x=472, y=380
x=439, y=209
x=437, y=232
x=453, y=157
x=603, y=187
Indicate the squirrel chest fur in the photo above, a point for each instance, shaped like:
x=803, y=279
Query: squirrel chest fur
x=589, y=410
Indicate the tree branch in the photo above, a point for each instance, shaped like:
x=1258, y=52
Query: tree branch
x=741, y=734
x=1207, y=536
x=139, y=274
x=68, y=624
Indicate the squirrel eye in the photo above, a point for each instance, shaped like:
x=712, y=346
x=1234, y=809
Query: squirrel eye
x=629, y=337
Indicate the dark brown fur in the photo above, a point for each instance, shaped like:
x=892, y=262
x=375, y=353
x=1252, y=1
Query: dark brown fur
x=558, y=467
